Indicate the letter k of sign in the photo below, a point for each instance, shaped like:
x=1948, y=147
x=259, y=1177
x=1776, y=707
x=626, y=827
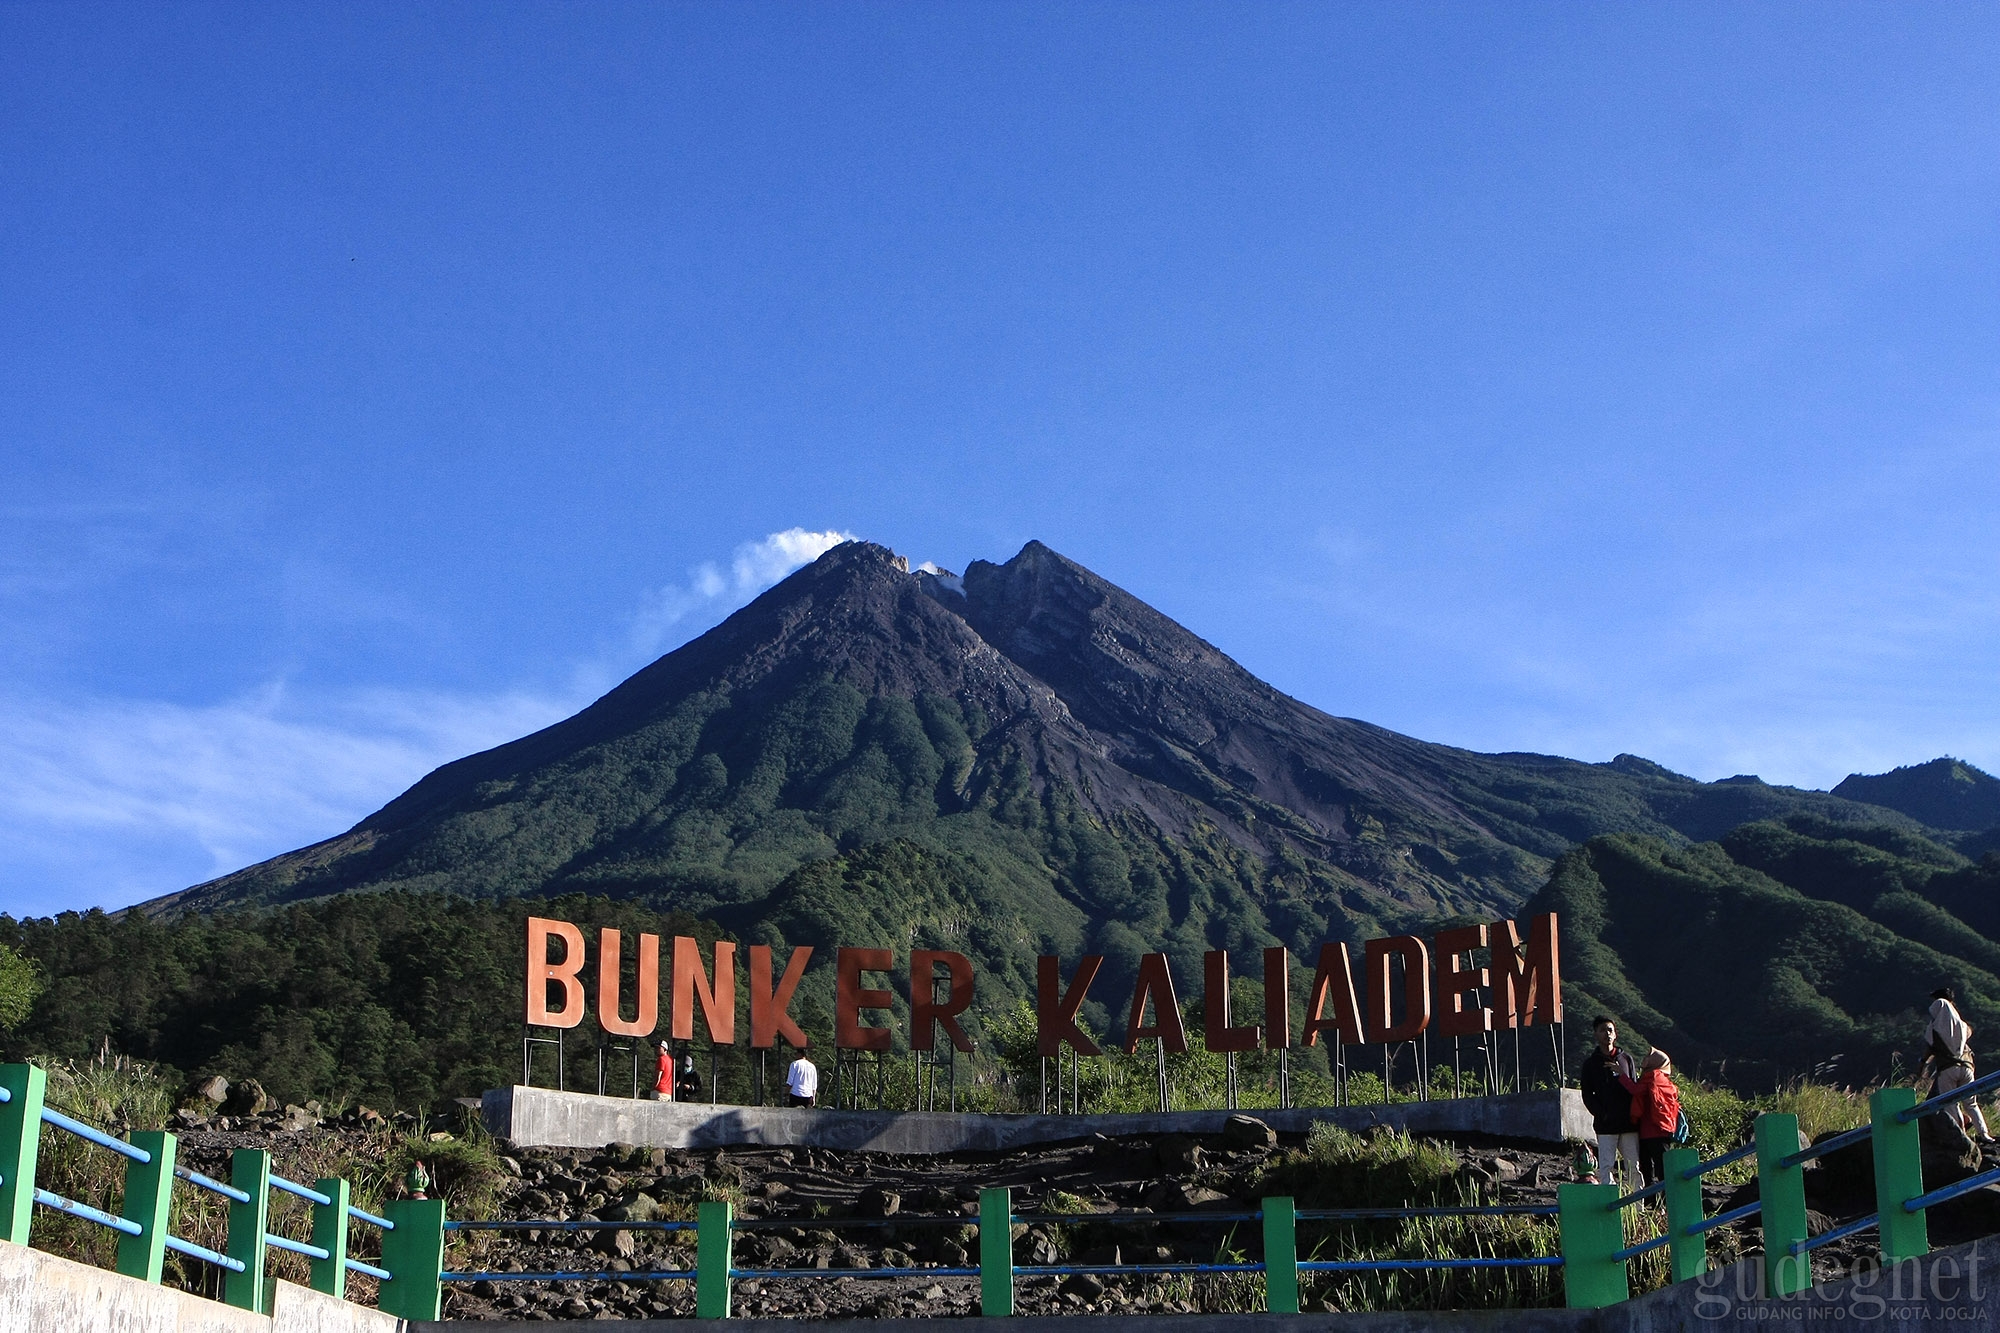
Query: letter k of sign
x=1055, y=1019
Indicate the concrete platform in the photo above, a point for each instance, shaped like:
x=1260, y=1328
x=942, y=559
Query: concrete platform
x=543, y=1117
x=44, y=1293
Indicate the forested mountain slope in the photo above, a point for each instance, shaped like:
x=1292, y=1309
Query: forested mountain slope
x=1076, y=769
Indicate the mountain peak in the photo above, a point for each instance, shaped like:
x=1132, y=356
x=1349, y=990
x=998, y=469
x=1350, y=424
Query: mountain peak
x=1945, y=793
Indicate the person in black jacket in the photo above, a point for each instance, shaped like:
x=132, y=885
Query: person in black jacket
x=1609, y=1080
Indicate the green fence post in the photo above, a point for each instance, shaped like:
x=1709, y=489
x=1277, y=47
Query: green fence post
x=329, y=1275
x=1899, y=1176
x=996, y=1251
x=1281, y=1256
x=714, y=1232
x=20, y=1146
x=1782, y=1190
x=249, y=1171
x=414, y=1255
x=149, y=1197
x=1591, y=1231
x=1687, y=1255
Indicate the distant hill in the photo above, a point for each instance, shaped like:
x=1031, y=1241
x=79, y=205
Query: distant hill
x=1026, y=757
x=1945, y=794
x=1784, y=948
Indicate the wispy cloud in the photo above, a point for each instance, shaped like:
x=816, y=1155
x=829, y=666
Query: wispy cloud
x=710, y=590
x=106, y=801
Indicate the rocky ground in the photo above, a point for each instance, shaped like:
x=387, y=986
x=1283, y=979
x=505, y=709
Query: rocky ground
x=818, y=1209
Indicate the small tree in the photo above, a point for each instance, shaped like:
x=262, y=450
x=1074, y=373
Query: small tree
x=20, y=985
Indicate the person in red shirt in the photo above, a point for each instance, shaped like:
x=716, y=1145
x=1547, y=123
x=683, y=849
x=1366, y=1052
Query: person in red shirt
x=663, y=1083
x=1656, y=1108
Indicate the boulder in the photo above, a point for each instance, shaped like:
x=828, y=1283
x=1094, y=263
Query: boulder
x=617, y=1244
x=877, y=1202
x=1246, y=1133
x=1086, y=1285
x=213, y=1090
x=297, y=1118
x=1178, y=1152
x=247, y=1098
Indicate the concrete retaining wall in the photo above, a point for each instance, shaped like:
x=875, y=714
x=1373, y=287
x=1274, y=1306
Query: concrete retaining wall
x=542, y=1117
x=42, y=1293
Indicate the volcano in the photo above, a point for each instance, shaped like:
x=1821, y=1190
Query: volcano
x=1024, y=757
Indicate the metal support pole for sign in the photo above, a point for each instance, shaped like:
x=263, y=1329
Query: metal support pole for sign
x=1385, y=1073
x=1284, y=1078
x=1045, y=1084
x=1517, y=1059
x=1457, y=1078
x=714, y=1093
x=1422, y=1050
x=1339, y=1071
x=1160, y=1064
x=1229, y=1079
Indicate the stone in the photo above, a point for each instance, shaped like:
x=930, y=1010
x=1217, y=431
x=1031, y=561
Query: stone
x=634, y=1207
x=934, y=1292
x=1178, y=1152
x=877, y=1202
x=1246, y=1133
x=213, y=1090
x=247, y=1098
x=1086, y=1285
x=297, y=1118
x=618, y=1244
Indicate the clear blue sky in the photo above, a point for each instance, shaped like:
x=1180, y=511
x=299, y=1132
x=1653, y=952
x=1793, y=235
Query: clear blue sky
x=380, y=382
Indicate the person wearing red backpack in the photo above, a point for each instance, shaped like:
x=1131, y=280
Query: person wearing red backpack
x=1656, y=1109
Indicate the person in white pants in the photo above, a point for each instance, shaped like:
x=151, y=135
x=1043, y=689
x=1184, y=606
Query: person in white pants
x=1609, y=1078
x=1948, y=1048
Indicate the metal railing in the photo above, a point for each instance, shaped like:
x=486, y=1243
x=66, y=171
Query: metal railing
x=1594, y=1253
x=151, y=1173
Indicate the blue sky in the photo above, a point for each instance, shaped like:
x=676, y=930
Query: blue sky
x=378, y=383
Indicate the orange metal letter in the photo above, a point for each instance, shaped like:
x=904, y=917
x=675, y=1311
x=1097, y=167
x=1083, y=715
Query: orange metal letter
x=1277, y=999
x=1416, y=987
x=1216, y=1034
x=770, y=1011
x=1055, y=1018
x=924, y=1009
x=648, y=1016
x=718, y=998
x=1527, y=991
x=1156, y=979
x=850, y=998
x=542, y=974
x=1456, y=1016
x=1335, y=974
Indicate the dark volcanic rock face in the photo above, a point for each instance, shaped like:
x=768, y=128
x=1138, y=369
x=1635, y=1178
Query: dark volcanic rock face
x=1077, y=759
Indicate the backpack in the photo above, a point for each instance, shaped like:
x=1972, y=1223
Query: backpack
x=1682, y=1129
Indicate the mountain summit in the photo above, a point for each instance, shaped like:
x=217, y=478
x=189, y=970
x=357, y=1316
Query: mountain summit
x=1027, y=753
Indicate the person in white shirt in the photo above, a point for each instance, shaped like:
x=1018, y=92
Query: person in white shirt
x=803, y=1081
x=1948, y=1048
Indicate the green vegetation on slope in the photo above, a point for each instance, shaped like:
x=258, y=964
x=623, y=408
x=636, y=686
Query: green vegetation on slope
x=1782, y=950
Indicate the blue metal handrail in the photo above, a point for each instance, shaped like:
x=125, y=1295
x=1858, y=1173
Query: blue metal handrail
x=1724, y=1219
x=1637, y=1196
x=1938, y=1101
x=1867, y=1223
x=296, y=1246
x=1643, y=1247
x=1951, y=1191
x=967, y=1218
x=278, y=1182
x=87, y=1213
x=1410, y=1265
x=1070, y=1270
x=452, y=1225
x=357, y=1266
x=1825, y=1146
x=370, y=1218
x=96, y=1136
x=1467, y=1210
x=664, y=1275
x=740, y=1274
x=229, y=1192
x=1700, y=1169
x=195, y=1251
